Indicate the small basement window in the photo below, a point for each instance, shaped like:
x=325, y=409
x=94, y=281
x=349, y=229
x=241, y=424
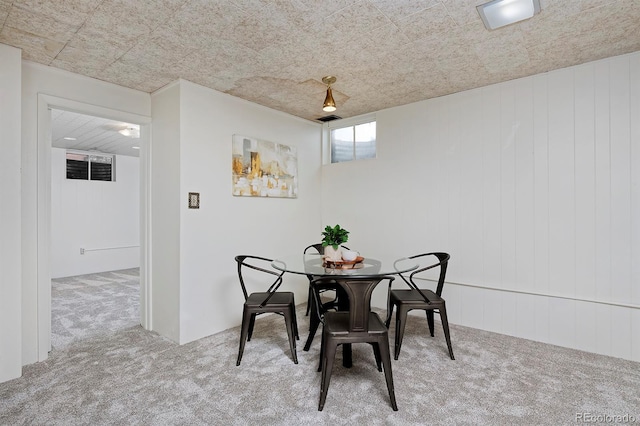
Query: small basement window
x=353, y=142
x=85, y=166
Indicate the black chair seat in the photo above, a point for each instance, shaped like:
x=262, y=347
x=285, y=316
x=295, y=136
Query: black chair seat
x=414, y=297
x=337, y=323
x=279, y=300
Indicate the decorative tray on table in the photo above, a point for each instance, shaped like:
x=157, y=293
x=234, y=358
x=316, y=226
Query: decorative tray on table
x=344, y=264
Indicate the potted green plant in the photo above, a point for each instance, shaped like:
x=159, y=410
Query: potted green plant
x=332, y=237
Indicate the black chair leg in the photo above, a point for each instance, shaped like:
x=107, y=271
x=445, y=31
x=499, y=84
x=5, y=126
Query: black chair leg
x=252, y=323
x=327, y=367
x=388, y=375
x=445, y=327
x=288, y=319
x=309, y=301
x=376, y=354
x=244, y=331
x=430, y=320
x=321, y=353
x=401, y=322
x=314, y=323
x=295, y=320
x=390, y=306
x=347, y=357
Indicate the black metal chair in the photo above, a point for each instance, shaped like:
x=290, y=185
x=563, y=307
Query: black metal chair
x=319, y=308
x=271, y=301
x=319, y=249
x=417, y=298
x=358, y=325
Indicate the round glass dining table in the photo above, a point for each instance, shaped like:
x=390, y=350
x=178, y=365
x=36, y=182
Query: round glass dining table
x=314, y=264
x=353, y=295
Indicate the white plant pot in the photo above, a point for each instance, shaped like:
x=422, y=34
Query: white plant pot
x=334, y=255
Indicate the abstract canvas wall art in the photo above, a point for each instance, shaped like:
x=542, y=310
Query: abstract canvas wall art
x=263, y=169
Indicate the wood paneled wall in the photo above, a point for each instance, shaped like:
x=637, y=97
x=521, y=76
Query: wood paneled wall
x=533, y=186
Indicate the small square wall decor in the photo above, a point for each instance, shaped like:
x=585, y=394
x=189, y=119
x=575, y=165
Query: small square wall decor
x=263, y=169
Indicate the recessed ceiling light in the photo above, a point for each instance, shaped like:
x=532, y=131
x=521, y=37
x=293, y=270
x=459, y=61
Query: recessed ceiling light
x=132, y=132
x=67, y=138
x=135, y=147
x=499, y=13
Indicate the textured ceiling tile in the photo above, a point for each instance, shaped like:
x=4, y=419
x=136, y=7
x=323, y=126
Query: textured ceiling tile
x=396, y=11
x=72, y=12
x=41, y=25
x=326, y=7
x=134, y=77
x=609, y=21
x=86, y=59
x=198, y=23
x=502, y=53
x=126, y=21
x=292, y=14
x=98, y=44
x=261, y=87
x=357, y=19
x=5, y=7
x=570, y=7
x=381, y=41
x=299, y=59
x=201, y=68
x=429, y=23
x=90, y=66
x=463, y=12
x=34, y=48
x=120, y=31
x=256, y=32
x=155, y=54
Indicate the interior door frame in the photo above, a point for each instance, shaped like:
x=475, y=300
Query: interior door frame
x=45, y=104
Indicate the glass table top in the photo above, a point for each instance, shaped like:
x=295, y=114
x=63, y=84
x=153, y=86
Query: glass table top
x=314, y=264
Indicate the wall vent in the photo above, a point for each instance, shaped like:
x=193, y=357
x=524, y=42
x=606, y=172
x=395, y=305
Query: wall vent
x=328, y=118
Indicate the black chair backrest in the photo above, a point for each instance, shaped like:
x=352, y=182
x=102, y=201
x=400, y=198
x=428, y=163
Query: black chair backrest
x=317, y=247
x=359, y=291
x=253, y=262
x=443, y=261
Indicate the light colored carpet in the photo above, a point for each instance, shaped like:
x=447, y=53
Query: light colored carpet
x=132, y=376
x=93, y=304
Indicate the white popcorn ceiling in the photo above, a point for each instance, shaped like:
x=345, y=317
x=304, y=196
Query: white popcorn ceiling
x=384, y=53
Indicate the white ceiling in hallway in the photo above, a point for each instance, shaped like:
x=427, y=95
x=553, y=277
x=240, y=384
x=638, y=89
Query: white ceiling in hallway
x=82, y=132
x=384, y=53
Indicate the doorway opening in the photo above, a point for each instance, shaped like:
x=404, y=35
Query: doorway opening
x=95, y=226
x=82, y=237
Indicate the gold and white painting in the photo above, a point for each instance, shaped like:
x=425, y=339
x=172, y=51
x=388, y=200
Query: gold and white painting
x=263, y=169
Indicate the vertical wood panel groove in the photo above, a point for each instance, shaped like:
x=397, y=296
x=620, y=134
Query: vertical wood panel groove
x=558, y=203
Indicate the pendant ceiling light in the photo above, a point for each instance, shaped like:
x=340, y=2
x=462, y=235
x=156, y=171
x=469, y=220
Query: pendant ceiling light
x=329, y=104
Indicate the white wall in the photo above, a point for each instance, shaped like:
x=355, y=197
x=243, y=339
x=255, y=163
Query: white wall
x=225, y=226
x=165, y=207
x=101, y=217
x=38, y=79
x=533, y=187
x=10, y=209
